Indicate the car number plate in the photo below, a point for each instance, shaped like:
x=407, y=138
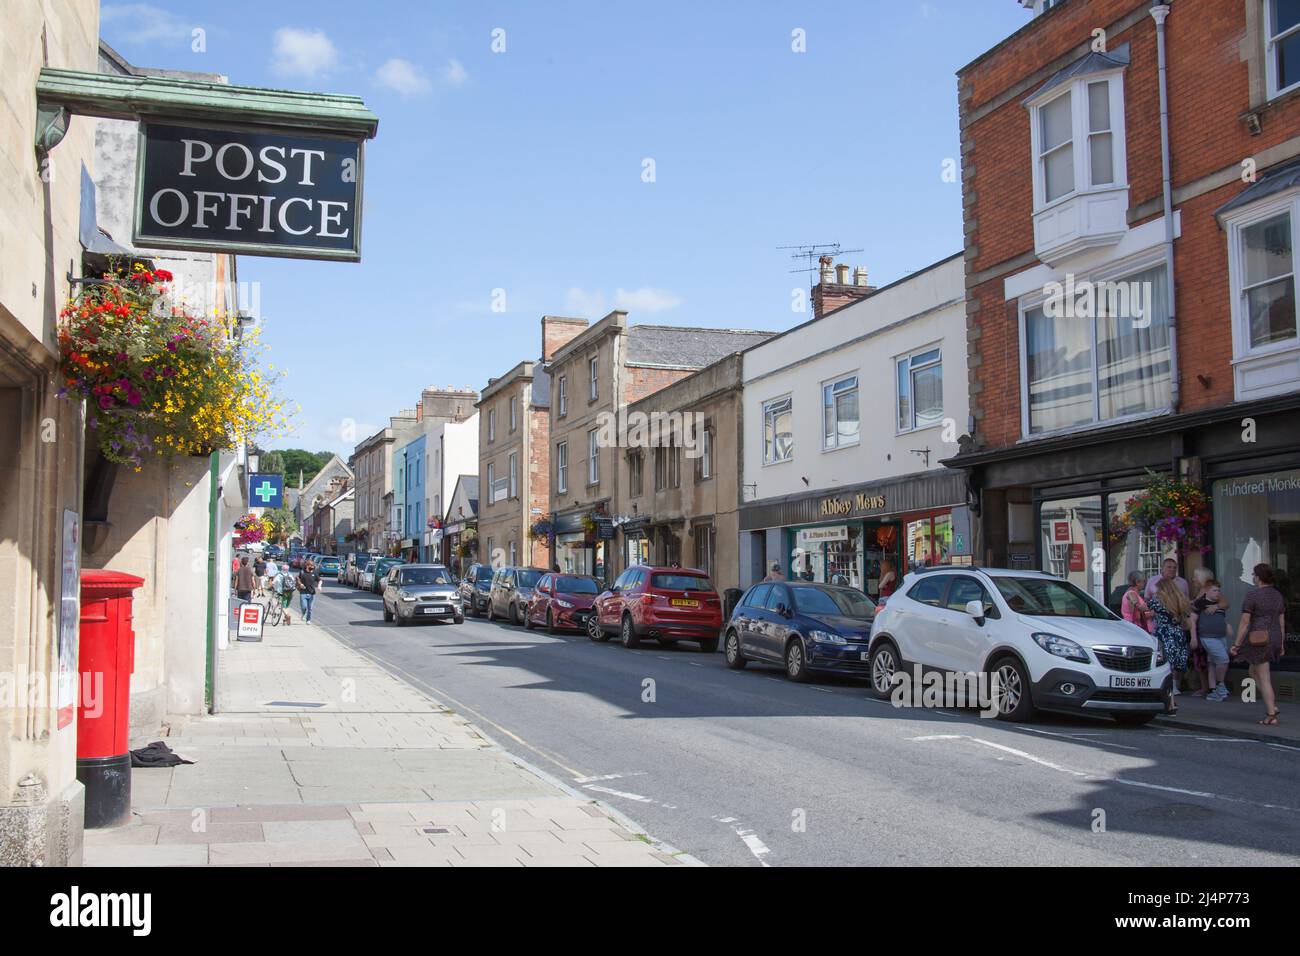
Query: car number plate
x=682, y=602
x=1131, y=683
x=437, y=609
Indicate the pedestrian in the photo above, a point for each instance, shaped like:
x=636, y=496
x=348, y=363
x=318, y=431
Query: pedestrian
x=1212, y=631
x=1261, y=630
x=259, y=576
x=1173, y=621
x=775, y=574
x=1200, y=661
x=308, y=582
x=272, y=571
x=888, y=578
x=244, y=580
x=1133, y=606
x=282, y=585
x=1168, y=572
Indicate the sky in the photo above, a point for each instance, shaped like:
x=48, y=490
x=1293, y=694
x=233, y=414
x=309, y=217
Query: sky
x=644, y=156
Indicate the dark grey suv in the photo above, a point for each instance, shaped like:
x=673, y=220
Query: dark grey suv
x=474, y=589
x=512, y=589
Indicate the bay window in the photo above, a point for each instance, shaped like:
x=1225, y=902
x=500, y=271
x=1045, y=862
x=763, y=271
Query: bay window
x=1098, y=354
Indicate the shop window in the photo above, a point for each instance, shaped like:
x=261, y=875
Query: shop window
x=840, y=412
x=927, y=540
x=1071, y=532
x=1100, y=355
x=778, y=430
x=1257, y=521
x=920, y=390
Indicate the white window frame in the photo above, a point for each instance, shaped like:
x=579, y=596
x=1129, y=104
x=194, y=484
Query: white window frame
x=514, y=475
x=491, y=483
x=562, y=467
x=562, y=396
x=1115, y=272
x=911, y=384
x=1270, y=52
x=706, y=453
x=514, y=412
x=593, y=456
x=1079, y=135
x=762, y=421
x=1254, y=214
x=593, y=369
x=833, y=443
x=492, y=424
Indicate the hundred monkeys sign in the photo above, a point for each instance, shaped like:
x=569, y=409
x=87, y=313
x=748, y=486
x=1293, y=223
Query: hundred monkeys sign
x=248, y=191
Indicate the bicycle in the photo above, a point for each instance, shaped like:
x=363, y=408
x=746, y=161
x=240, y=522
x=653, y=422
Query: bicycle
x=274, y=610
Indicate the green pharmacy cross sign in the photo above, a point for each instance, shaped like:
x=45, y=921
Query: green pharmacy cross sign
x=266, y=491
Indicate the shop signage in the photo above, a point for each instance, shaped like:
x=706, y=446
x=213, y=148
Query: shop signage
x=604, y=528
x=250, y=191
x=266, y=490
x=809, y=536
x=1077, y=562
x=250, y=621
x=835, y=507
x=1060, y=531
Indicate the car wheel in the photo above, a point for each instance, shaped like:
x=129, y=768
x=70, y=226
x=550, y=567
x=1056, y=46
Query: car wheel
x=735, y=660
x=796, y=667
x=515, y=617
x=388, y=615
x=1128, y=719
x=594, y=631
x=709, y=645
x=401, y=621
x=528, y=621
x=1012, y=695
x=885, y=663
x=490, y=615
x=628, y=632
x=459, y=618
x=550, y=622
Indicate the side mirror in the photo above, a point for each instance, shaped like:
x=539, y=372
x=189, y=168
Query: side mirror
x=976, y=610
x=782, y=609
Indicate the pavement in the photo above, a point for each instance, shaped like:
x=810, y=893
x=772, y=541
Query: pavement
x=1235, y=716
x=317, y=756
x=748, y=768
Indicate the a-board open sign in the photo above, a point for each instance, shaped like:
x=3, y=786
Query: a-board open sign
x=250, y=621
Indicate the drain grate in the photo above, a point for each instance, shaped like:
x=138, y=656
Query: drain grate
x=293, y=703
x=436, y=830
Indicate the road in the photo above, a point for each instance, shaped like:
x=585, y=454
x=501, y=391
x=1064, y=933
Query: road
x=747, y=768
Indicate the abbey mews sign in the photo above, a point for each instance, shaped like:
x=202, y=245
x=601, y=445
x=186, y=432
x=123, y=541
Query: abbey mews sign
x=248, y=190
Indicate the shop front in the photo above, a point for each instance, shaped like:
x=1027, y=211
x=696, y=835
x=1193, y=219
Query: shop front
x=852, y=536
x=583, y=544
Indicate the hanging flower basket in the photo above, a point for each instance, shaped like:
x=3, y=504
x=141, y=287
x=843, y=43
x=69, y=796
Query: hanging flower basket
x=542, y=530
x=158, y=379
x=251, y=529
x=1176, y=511
x=589, y=523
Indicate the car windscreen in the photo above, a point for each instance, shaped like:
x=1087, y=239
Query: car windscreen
x=425, y=576
x=371, y=565
x=527, y=578
x=680, y=582
x=1044, y=597
x=569, y=585
x=484, y=573
x=839, y=602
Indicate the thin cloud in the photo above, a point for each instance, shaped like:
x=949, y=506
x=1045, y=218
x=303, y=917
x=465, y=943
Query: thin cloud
x=144, y=23
x=303, y=53
x=454, y=74
x=404, y=77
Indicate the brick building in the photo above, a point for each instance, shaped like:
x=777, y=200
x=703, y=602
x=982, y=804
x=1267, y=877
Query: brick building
x=1119, y=322
x=595, y=377
x=514, y=454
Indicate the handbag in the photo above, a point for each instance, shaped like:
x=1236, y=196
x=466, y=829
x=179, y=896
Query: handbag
x=1257, y=638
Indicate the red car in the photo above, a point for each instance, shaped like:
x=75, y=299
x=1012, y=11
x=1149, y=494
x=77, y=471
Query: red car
x=561, y=601
x=668, y=604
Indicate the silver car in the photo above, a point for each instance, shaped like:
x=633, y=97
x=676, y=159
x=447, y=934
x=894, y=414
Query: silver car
x=512, y=589
x=416, y=592
x=366, y=577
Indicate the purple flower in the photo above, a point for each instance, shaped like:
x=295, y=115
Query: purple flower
x=105, y=401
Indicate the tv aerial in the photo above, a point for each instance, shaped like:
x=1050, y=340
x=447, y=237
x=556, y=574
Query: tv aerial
x=813, y=253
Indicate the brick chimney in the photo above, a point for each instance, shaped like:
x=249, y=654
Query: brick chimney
x=834, y=288
x=557, y=332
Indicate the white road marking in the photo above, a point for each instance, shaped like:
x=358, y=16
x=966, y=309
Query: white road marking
x=1285, y=747
x=609, y=776
x=1011, y=750
x=618, y=793
x=750, y=838
x=1076, y=737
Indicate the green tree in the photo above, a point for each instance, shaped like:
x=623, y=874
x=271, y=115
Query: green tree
x=290, y=461
x=283, y=524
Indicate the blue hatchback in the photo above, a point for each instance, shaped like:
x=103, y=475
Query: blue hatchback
x=802, y=627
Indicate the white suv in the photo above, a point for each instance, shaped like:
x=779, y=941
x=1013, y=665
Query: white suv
x=1049, y=644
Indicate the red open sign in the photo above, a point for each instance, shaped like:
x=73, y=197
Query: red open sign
x=251, y=614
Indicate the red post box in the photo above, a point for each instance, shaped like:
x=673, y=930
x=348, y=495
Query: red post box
x=105, y=660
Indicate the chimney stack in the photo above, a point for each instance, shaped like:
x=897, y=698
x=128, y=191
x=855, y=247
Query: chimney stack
x=834, y=290
x=842, y=274
x=827, y=271
x=860, y=276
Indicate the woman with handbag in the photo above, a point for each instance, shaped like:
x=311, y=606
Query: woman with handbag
x=1173, y=620
x=1261, y=631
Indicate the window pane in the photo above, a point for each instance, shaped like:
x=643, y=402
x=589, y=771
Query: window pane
x=927, y=384
x=1266, y=249
x=1288, y=61
x=1070, y=530
x=1056, y=122
x=1098, y=107
x=1102, y=154
x=1286, y=14
x=904, y=396
x=1133, y=368
x=1271, y=312
x=828, y=415
x=1058, y=173
x=846, y=414
x=1059, y=365
x=925, y=358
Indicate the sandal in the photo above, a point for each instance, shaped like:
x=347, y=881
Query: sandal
x=1270, y=720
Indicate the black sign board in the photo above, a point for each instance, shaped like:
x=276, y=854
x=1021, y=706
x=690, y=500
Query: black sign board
x=604, y=528
x=249, y=191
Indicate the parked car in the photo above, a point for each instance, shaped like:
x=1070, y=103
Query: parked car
x=475, y=587
x=328, y=566
x=561, y=601
x=805, y=628
x=512, y=589
x=382, y=568
x=1051, y=645
x=366, y=577
x=417, y=592
x=668, y=604
x=352, y=568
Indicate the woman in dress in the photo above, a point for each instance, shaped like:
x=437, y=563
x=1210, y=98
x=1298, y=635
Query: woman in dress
x=1262, y=613
x=1133, y=605
x=1173, y=621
